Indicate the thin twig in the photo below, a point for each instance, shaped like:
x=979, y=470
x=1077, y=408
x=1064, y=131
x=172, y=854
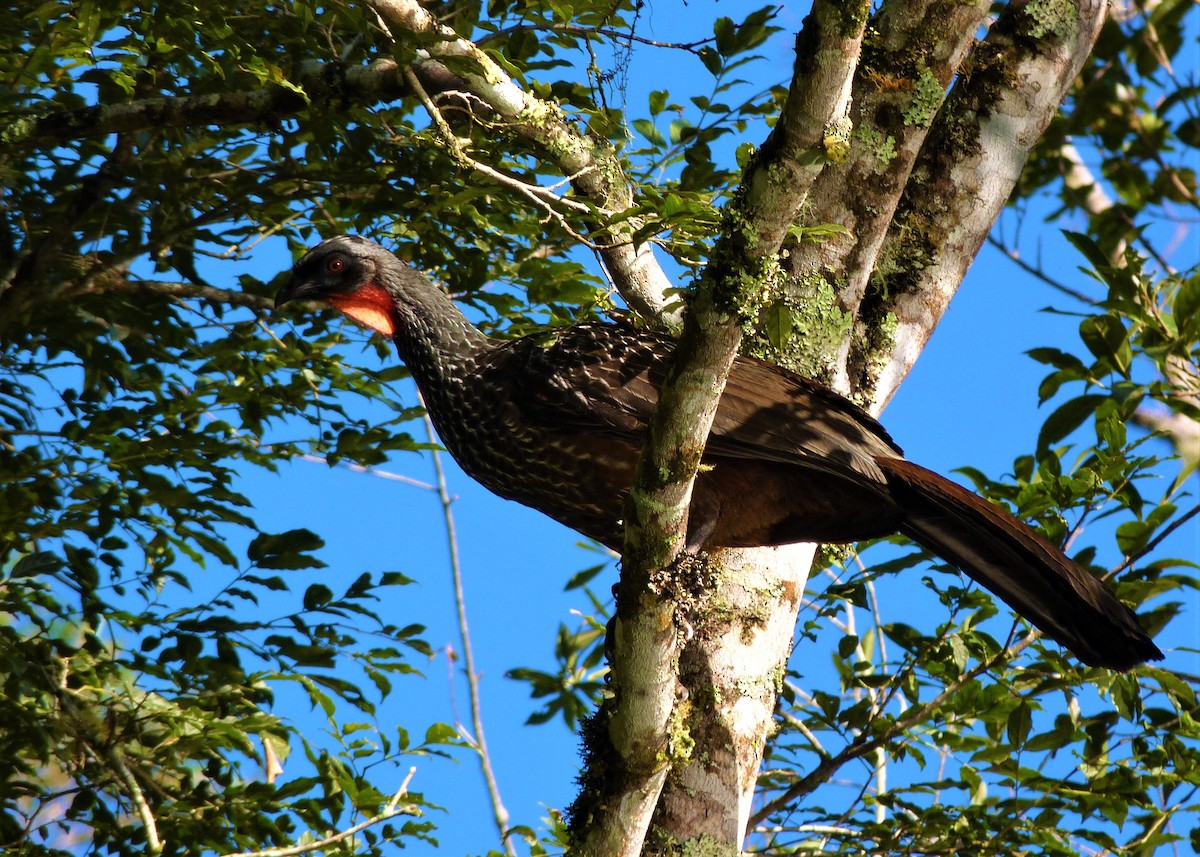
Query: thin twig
x=1040, y=273
x=1156, y=541
x=153, y=843
x=239, y=251
x=392, y=809
x=499, y=812
x=371, y=471
x=543, y=198
x=604, y=32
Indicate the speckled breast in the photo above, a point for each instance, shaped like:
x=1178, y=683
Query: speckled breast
x=579, y=480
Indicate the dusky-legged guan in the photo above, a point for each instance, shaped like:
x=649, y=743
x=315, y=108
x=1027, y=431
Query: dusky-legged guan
x=557, y=422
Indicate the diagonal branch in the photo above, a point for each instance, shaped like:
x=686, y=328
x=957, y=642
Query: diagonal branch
x=544, y=198
x=968, y=167
x=377, y=81
x=154, y=845
x=393, y=809
x=813, y=124
x=596, y=171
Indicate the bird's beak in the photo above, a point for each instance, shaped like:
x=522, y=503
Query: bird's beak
x=292, y=290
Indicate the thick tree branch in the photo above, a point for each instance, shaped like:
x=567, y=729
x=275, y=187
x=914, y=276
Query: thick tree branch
x=733, y=666
x=181, y=290
x=969, y=166
x=812, y=127
x=742, y=270
x=378, y=81
x=915, y=54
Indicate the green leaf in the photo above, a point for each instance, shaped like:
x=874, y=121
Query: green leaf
x=36, y=565
x=1107, y=338
x=1187, y=301
x=647, y=129
x=1060, y=360
x=442, y=733
x=1091, y=250
x=847, y=646
x=285, y=551
x=1066, y=418
x=778, y=326
x=711, y=60
x=582, y=578
x=317, y=596
x=1020, y=723
x=725, y=31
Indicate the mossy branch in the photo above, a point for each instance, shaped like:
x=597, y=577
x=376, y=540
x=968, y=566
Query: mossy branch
x=592, y=164
x=968, y=167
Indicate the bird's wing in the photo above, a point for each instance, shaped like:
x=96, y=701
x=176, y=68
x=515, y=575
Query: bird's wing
x=588, y=378
x=768, y=407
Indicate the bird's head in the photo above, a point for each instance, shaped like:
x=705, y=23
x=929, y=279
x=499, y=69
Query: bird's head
x=353, y=275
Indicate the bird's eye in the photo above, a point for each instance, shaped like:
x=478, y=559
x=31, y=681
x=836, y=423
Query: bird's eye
x=335, y=265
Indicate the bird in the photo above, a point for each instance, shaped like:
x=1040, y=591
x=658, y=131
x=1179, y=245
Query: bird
x=557, y=422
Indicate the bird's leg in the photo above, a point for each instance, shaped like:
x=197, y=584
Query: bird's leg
x=702, y=521
x=698, y=537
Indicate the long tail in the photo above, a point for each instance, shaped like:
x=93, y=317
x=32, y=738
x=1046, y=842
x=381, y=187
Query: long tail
x=1035, y=578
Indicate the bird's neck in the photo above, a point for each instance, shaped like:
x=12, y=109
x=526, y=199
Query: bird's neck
x=436, y=341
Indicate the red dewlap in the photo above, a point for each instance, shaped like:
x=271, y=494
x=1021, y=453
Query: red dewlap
x=370, y=305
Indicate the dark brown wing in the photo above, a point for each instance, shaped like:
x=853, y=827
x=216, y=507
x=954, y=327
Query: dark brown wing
x=589, y=378
x=789, y=461
x=605, y=378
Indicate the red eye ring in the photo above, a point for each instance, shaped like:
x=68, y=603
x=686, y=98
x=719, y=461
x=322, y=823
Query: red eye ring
x=335, y=265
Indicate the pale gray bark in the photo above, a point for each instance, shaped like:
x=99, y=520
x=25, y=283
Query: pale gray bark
x=1006, y=107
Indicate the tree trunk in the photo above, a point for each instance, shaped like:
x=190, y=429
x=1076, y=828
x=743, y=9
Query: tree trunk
x=733, y=656
x=732, y=668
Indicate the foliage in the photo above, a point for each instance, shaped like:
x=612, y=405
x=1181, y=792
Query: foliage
x=153, y=635
x=1026, y=757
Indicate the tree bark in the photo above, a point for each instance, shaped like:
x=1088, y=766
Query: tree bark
x=733, y=666
x=978, y=146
